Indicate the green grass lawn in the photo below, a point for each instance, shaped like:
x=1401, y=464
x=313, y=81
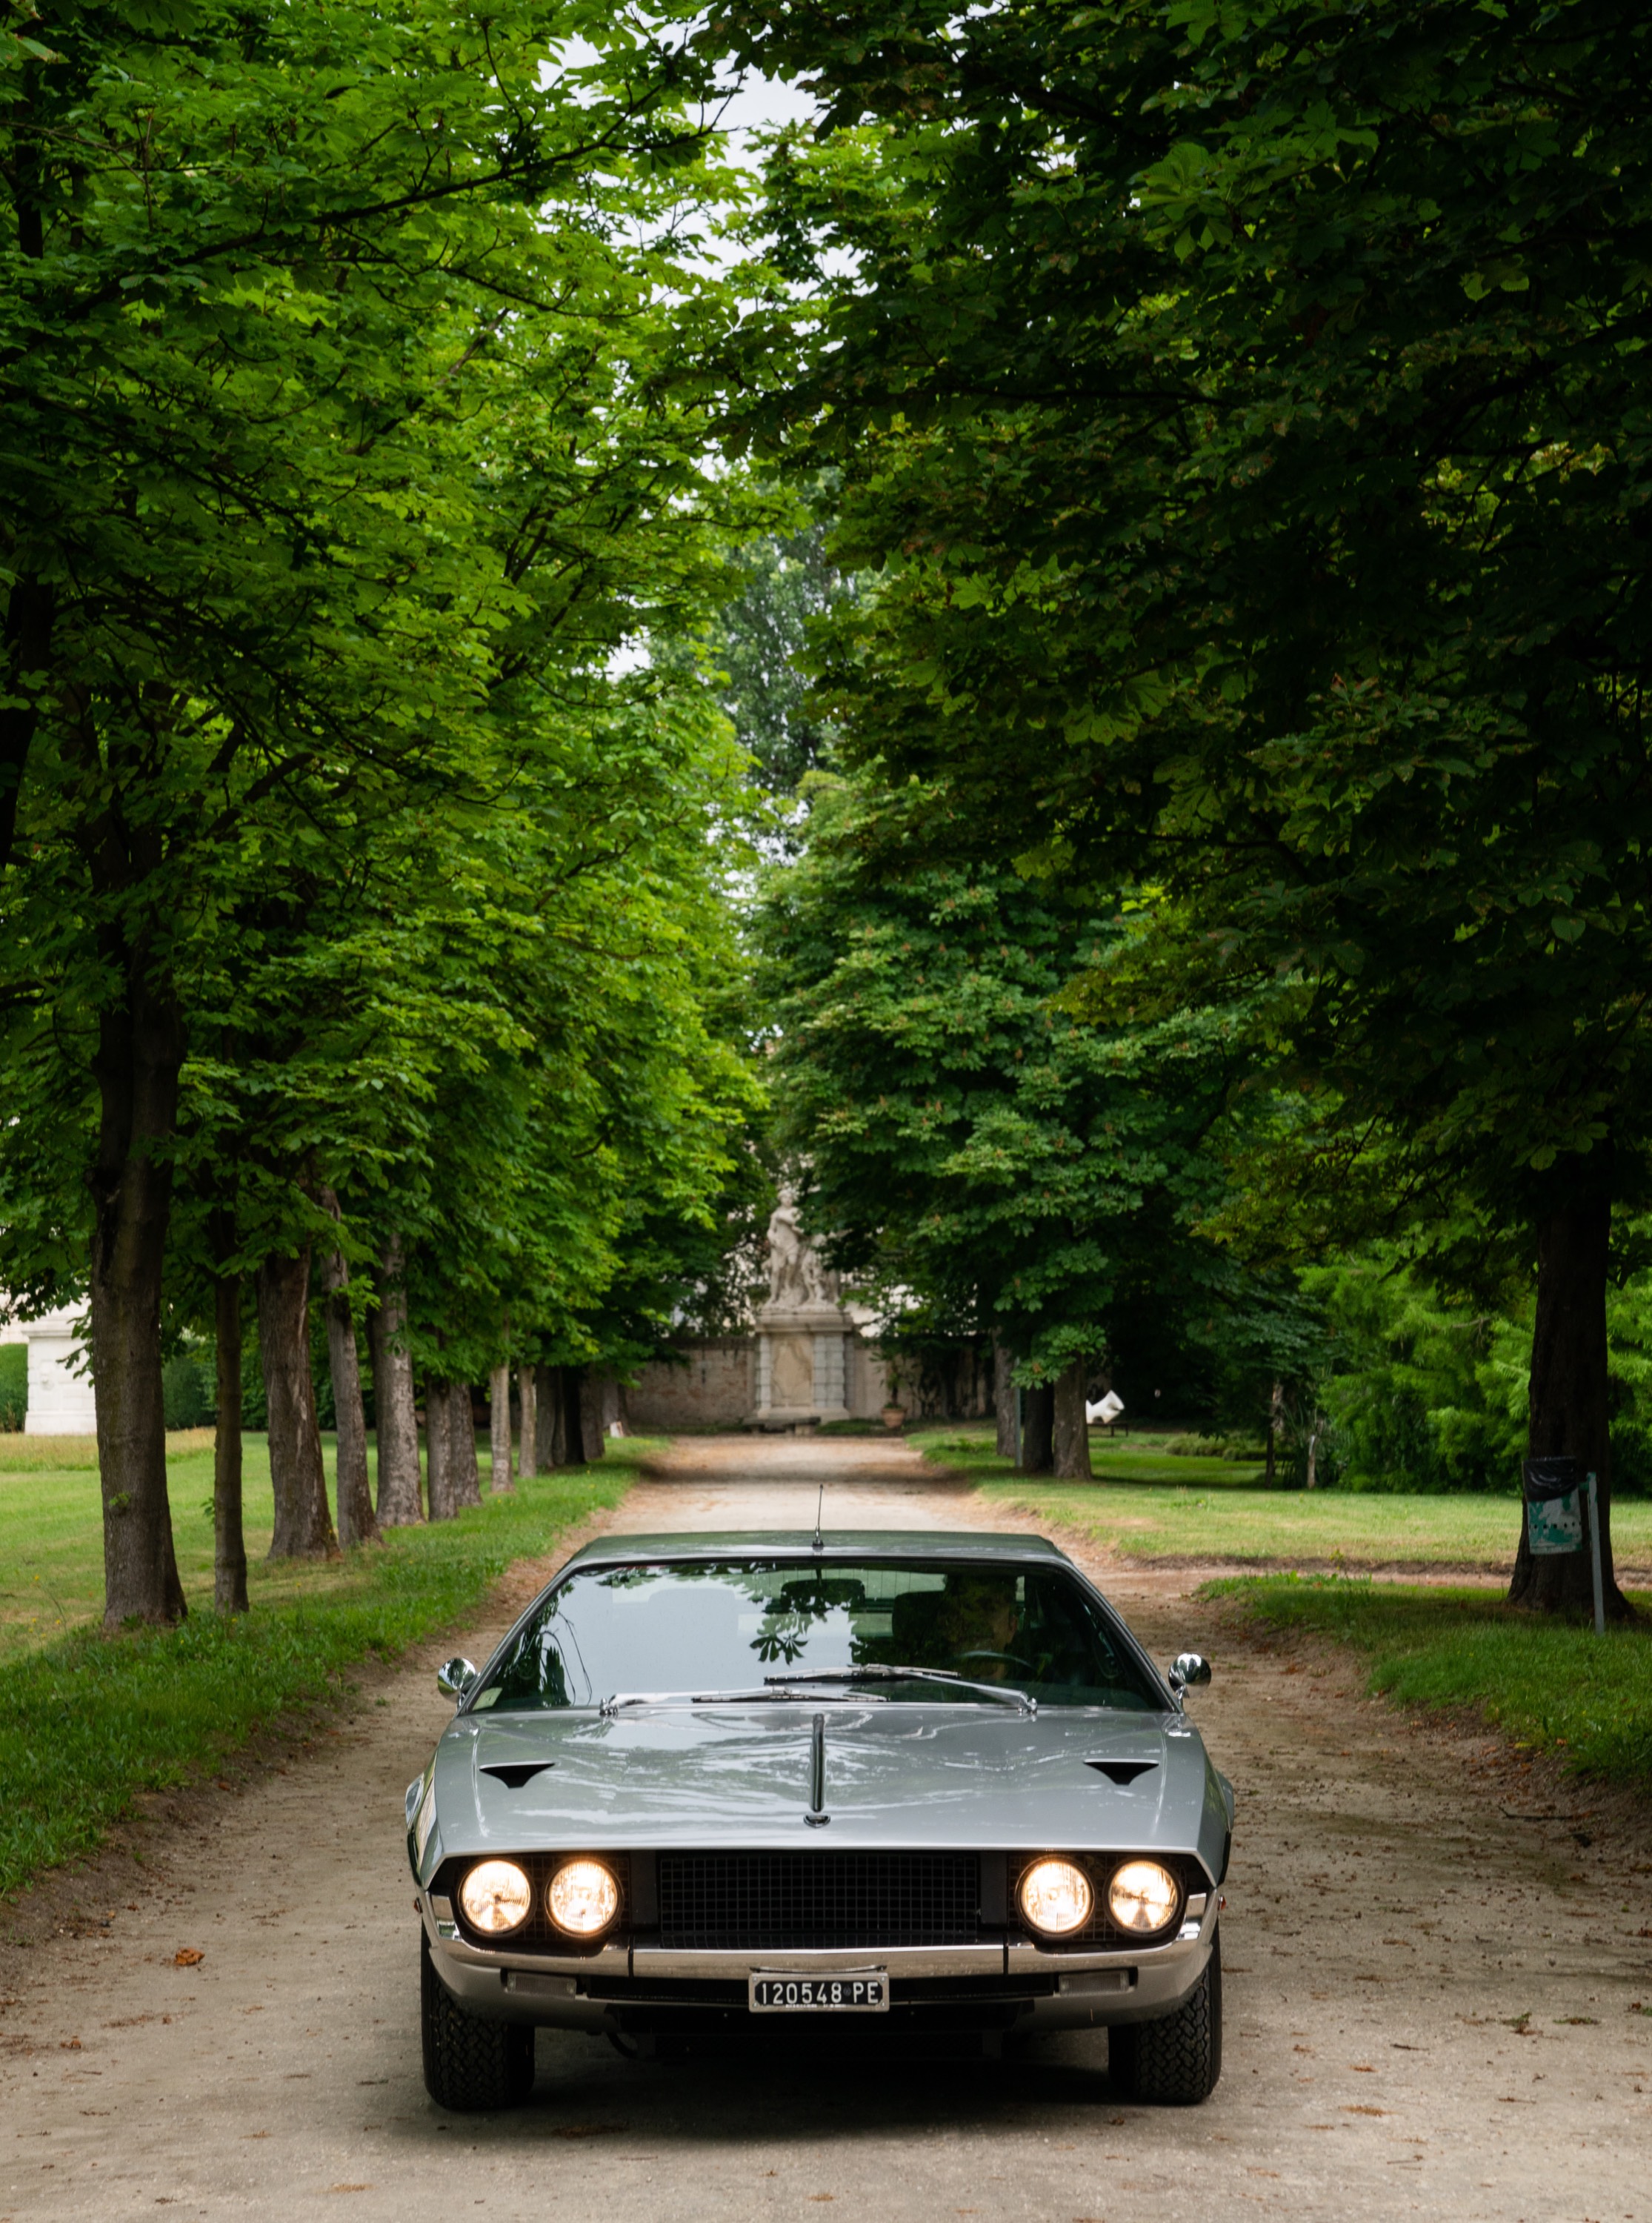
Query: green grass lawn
x=1147, y=1503
x=1548, y=1686
x=87, y=1722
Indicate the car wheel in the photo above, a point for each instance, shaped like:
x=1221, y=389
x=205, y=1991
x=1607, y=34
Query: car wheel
x=1174, y=2062
x=469, y=2065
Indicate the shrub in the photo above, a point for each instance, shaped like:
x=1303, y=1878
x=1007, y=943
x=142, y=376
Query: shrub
x=1227, y=1447
x=188, y=1388
x=13, y=1386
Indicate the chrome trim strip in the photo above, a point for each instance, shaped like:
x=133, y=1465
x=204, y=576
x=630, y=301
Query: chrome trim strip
x=609, y=1960
x=1022, y=1960
x=900, y=1961
x=656, y=1961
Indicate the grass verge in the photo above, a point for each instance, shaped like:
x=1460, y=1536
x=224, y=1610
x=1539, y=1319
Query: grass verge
x=1550, y=1686
x=87, y=1722
x=1147, y=1503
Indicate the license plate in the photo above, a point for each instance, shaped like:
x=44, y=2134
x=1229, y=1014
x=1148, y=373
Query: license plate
x=857, y=1991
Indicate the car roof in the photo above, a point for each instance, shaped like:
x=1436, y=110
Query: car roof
x=916, y=1544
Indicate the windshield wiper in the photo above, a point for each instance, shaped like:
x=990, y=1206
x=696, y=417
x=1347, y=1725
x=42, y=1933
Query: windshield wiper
x=880, y=1674
x=766, y=1696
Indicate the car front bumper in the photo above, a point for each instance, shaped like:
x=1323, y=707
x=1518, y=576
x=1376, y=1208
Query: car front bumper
x=643, y=1990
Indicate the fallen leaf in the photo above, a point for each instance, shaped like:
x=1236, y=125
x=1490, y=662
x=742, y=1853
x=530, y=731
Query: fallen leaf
x=350, y=2187
x=1365, y=2111
x=187, y=1957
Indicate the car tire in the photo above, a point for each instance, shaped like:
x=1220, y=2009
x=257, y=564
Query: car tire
x=1174, y=2062
x=470, y=2066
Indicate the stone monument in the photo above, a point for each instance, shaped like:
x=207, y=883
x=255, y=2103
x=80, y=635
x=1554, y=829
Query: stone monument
x=804, y=1335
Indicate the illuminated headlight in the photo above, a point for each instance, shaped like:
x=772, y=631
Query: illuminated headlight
x=496, y=1897
x=1143, y=1897
x=1055, y=1898
x=583, y=1898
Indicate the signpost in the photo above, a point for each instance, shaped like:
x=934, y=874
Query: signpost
x=1594, y=1555
x=1554, y=1516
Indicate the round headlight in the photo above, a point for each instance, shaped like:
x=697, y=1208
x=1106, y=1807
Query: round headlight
x=1055, y=1898
x=583, y=1898
x=1142, y=1895
x=496, y=1897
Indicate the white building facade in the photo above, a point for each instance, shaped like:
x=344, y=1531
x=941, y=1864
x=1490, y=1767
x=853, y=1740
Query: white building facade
x=60, y=1382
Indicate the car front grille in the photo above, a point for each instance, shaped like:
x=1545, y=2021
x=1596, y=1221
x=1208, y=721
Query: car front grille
x=739, y=1902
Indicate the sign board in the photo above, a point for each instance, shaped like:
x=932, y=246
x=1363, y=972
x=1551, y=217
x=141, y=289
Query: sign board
x=1555, y=1524
x=1554, y=1507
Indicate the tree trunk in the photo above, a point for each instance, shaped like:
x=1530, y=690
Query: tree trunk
x=498, y=1431
x=467, y=1469
x=394, y=1403
x=139, y=1055
x=438, y=1449
x=303, y=1526
x=31, y=612
x=573, y=1430
x=229, y=1535
x=1069, y=1430
x=357, y=1523
x=1038, y=1430
x=1003, y=1398
x=1275, y=1423
x=588, y=1410
x=1567, y=1412
x=528, y=1463
x=592, y=1393
x=553, y=1419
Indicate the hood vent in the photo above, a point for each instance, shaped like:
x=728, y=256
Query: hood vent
x=1122, y=1771
x=513, y=1773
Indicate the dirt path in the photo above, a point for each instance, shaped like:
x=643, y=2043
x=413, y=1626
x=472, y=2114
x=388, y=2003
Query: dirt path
x=1430, y=2005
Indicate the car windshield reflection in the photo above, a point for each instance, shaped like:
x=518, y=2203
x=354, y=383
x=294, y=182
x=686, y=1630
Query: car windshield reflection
x=685, y=1626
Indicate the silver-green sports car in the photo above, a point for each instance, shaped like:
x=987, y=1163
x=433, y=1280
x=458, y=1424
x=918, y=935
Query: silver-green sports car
x=929, y=1780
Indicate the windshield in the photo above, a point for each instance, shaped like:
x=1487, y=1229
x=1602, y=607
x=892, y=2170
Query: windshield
x=716, y=1625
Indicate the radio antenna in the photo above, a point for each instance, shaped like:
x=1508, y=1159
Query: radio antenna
x=819, y=1541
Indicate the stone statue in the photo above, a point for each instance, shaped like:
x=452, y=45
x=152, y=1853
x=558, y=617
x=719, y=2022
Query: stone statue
x=796, y=1277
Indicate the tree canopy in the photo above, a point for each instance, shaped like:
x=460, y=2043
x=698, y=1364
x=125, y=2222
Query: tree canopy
x=1243, y=409
x=978, y=1156
x=346, y=449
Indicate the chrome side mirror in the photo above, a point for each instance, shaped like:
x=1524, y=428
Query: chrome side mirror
x=455, y=1677
x=1191, y=1668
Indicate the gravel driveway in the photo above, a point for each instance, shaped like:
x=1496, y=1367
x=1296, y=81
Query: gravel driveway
x=1433, y=1962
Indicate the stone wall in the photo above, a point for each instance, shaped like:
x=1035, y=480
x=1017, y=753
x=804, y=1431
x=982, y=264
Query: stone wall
x=716, y=1387
x=948, y=1381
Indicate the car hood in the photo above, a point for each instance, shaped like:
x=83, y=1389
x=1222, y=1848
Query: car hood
x=941, y=1776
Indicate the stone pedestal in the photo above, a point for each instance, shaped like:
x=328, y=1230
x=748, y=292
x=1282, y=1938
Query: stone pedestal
x=60, y=1401
x=802, y=1365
